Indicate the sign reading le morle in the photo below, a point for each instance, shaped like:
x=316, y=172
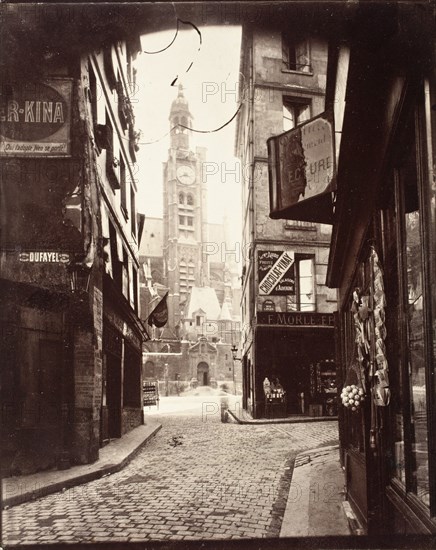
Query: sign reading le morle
x=296, y=319
x=35, y=118
x=301, y=171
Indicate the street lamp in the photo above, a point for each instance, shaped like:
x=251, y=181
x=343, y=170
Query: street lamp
x=234, y=350
x=79, y=278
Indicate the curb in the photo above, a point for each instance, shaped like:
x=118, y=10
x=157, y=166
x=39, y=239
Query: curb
x=353, y=522
x=304, y=500
x=59, y=486
x=283, y=420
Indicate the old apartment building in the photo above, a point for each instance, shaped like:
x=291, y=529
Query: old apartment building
x=287, y=309
x=71, y=333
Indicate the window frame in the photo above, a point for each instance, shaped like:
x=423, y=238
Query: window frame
x=291, y=45
x=292, y=103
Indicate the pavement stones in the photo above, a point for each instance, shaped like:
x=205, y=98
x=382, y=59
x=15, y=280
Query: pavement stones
x=221, y=480
x=316, y=497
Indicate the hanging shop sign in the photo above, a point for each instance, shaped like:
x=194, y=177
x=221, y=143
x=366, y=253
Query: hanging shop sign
x=35, y=119
x=301, y=168
x=276, y=272
x=294, y=319
x=44, y=257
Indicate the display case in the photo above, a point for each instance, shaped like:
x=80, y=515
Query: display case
x=275, y=404
x=323, y=387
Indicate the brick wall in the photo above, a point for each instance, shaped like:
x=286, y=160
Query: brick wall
x=86, y=427
x=131, y=418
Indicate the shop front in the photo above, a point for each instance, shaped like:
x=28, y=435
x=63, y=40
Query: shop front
x=294, y=364
x=121, y=409
x=382, y=261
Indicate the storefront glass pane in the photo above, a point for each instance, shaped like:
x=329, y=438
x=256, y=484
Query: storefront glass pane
x=420, y=481
x=307, y=294
x=390, y=255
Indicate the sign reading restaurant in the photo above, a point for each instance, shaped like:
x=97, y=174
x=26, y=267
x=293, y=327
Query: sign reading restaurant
x=302, y=171
x=296, y=319
x=35, y=119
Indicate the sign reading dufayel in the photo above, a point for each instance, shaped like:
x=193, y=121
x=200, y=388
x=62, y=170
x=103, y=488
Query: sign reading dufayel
x=35, y=119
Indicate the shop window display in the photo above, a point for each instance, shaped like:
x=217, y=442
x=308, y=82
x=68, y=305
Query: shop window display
x=416, y=359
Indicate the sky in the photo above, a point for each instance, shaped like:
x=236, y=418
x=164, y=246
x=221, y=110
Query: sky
x=210, y=86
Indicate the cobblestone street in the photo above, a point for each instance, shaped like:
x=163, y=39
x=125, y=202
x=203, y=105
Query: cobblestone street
x=196, y=479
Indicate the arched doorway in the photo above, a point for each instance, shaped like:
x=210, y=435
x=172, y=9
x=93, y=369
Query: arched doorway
x=149, y=370
x=203, y=374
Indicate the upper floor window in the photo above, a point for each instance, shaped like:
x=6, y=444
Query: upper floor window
x=295, y=54
x=133, y=211
x=297, y=224
x=294, y=112
x=181, y=198
x=123, y=186
x=304, y=298
x=190, y=200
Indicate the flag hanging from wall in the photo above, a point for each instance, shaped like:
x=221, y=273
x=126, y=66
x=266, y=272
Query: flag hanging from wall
x=159, y=316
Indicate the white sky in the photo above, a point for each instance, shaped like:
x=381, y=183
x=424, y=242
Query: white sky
x=210, y=88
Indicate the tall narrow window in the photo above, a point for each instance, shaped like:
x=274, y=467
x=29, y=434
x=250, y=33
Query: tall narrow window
x=123, y=186
x=115, y=255
x=295, y=54
x=133, y=211
x=125, y=274
x=306, y=283
x=304, y=296
x=415, y=337
x=112, y=163
x=294, y=113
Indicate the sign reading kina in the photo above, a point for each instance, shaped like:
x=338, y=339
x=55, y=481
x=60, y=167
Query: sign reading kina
x=302, y=171
x=35, y=118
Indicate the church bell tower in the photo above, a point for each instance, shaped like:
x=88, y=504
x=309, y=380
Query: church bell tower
x=185, y=206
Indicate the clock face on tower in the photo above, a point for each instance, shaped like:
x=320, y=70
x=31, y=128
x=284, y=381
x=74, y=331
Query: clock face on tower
x=186, y=175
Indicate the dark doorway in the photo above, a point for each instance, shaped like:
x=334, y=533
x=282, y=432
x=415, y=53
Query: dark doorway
x=113, y=394
x=203, y=374
x=150, y=370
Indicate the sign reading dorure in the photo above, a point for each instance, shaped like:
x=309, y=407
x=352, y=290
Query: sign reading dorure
x=302, y=171
x=35, y=119
x=276, y=272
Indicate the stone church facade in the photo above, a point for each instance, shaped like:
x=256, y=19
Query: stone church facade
x=203, y=324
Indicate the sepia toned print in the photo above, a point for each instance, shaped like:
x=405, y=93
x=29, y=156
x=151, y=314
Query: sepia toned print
x=217, y=274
